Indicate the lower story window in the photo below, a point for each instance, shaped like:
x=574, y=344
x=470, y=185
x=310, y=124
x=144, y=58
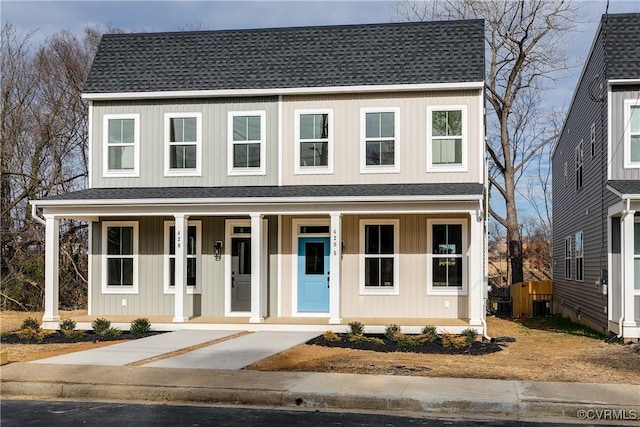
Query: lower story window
x=193, y=242
x=120, y=249
x=379, y=257
x=447, y=256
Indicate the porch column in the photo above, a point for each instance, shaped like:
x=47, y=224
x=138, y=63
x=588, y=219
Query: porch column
x=335, y=264
x=182, y=230
x=256, y=269
x=475, y=269
x=627, y=234
x=51, y=259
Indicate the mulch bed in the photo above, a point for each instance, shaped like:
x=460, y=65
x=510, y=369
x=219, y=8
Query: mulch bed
x=478, y=348
x=58, y=337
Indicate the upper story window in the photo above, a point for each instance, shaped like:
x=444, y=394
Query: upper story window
x=120, y=257
x=380, y=148
x=314, y=143
x=378, y=257
x=183, y=140
x=447, y=253
x=593, y=139
x=121, y=144
x=246, y=136
x=631, y=133
x=579, y=163
x=446, y=138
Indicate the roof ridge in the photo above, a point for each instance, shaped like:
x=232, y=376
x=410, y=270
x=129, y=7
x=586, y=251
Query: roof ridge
x=294, y=28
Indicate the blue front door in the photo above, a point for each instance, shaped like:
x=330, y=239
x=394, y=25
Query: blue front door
x=313, y=274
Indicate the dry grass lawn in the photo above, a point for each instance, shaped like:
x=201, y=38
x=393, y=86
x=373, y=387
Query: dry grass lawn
x=11, y=320
x=537, y=355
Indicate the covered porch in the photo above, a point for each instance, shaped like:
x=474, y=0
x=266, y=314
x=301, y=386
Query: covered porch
x=267, y=220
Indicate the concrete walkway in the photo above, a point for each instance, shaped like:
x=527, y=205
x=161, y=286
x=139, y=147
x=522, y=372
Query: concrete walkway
x=204, y=373
x=440, y=396
x=234, y=353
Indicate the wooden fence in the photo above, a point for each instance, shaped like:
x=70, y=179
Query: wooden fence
x=532, y=298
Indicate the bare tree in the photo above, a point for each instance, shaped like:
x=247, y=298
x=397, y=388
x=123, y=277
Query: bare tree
x=44, y=152
x=525, y=51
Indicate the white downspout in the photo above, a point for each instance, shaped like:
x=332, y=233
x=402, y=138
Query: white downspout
x=625, y=213
x=34, y=214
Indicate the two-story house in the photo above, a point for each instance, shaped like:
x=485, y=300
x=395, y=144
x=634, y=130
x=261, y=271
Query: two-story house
x=596, y=186
x=291, y=176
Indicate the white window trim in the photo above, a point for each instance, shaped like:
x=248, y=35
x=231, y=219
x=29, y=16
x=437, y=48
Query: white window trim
x=593, y=139
x=465, y=139
x=364, y=168
x=119, y=289
x=198, y=256
x=628, y=103
x=231, y=170
x=108, y=173
x=579, y=165
x=437, y=290
x=635, y=257
x=567, y=271
x=395, y=290
x=167, y=126
x=581, y=256
x=310, y=170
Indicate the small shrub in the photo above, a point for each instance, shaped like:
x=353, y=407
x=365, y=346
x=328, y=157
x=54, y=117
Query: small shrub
x=28, y=334
x=30, y=323
x=356, y=328
x=72, y=333
x=111, y=332
x=469, y=335
x=140, y=325
x=403, y=340
x=330, y=336
x=390, y=331
x=362, y=338
x=67, y=325
x=430, y=333
x=100, y=325
x=454, y=341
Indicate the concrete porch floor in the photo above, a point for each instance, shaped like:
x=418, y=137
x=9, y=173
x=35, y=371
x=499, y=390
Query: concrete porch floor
x=320, y=324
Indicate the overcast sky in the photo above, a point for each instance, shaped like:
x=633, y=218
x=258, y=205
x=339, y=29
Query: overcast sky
x=49, y=17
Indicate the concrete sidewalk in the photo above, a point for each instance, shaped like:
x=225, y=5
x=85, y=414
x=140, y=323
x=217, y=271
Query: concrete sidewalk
x=470, y=397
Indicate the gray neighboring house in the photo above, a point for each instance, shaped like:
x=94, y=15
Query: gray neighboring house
x=596, y=186
x=287, y=177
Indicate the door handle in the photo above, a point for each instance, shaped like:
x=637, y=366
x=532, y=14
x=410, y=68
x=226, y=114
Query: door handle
x=328, y=279
x=233, y=281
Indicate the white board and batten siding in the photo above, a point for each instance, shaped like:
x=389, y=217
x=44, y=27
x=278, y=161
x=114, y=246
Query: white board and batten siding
x=214, y=113
x=346, y=134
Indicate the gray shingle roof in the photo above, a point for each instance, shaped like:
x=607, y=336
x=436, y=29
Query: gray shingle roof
x=622, y=43
x=631, y=187
x=302, y=57
x=263, y=193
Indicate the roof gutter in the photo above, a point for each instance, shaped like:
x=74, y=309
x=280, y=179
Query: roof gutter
x=34, y=213
x=167, y=94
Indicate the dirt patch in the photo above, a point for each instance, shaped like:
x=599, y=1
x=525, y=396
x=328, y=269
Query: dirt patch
x=536, y=355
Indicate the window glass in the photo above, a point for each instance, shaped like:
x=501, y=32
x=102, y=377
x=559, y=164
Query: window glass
x=314, y=140
x=634, y=129
x=446, y=137
x=183, y=142
x=379, y=134
x=447, y=253
x=121, y=144
x=120, y=256
x=314, y=126
x=314, y=258
x=379, y=240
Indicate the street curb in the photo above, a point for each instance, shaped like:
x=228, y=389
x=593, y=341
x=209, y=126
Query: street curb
x=288, y=399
